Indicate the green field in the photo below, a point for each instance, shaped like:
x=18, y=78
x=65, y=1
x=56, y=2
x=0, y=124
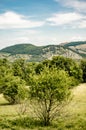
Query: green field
x=73, y=116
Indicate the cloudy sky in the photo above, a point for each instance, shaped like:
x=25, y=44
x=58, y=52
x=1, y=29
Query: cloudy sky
x=42, y=22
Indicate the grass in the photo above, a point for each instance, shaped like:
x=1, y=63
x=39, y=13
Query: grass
x=73, y=116
x=78, y=104
x=6, y=110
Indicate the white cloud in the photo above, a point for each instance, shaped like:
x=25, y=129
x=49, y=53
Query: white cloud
x=75, y=19
x=9, y=20
x=64, y=18
x=77, y=38
x=79, y=5
x=82, y=24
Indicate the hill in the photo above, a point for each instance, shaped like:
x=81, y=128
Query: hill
x=77, y=47
x=22, y=49
x=76, y=50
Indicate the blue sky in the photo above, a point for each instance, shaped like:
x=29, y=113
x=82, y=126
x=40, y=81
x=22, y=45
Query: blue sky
x=42, y=22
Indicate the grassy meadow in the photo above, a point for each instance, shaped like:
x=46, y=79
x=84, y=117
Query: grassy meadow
x=73, y=116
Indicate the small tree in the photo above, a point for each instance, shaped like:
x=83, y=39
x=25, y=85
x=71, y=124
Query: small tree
x=14, y=89
x=49, y=89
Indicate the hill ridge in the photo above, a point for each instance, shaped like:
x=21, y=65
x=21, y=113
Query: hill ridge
x=32, y=52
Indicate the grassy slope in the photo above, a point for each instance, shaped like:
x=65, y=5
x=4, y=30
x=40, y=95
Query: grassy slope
x=78, y=103
x=73, y=118
x=80, y=98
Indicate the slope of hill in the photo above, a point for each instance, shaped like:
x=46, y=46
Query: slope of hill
x=22, y=49
x=77, y=43
x=77, y=47
x=76, y=50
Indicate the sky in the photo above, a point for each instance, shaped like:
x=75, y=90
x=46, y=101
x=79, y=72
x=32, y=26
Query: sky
x=42, y=22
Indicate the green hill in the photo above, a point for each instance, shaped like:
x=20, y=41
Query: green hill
x=77, y=43
x=78, y=47
x=76, y=50
x=23, y=49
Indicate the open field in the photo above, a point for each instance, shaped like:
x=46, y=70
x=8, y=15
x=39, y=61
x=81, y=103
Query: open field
x=73, y=116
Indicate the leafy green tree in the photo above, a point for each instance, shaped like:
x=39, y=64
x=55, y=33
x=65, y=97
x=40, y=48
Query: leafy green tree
x=30, y=69
x=47, y=63
x=4, y=62
x=19, y=68
x=5, y=69
x=14, y=89
x=50, y=90
x=39, y=68
x=69, y=65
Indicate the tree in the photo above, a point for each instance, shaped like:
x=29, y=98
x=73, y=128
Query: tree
x=14, y=89
x=19, y=68
x=70, y=66
x=50, y=89
x=5, y=69
x=39, y=68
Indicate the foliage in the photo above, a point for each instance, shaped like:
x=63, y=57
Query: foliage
x=19, y=68
x=73, y=116
x=22, y=69
x=26, y=123
x=14, y=89
x=5, y=69
x=83, y=67
x=39, y=68
x=69, y=65
x=75, y=43
x=49, y=89
x=23, y=49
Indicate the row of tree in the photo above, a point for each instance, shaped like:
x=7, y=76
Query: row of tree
x=17, y=74
x=47, y=83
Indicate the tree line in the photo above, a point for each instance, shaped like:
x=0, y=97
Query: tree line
x=47, y=83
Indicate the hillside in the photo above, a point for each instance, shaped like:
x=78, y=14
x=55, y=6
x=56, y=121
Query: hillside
x=77, y=43
x=22, y=49
x=76, y=50
x=77, y=47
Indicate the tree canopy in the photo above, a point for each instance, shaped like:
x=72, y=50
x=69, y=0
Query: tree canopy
x=50, y=88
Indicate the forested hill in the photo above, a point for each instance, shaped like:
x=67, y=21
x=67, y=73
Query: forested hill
x=22, y=49
x=28, y=49
x=31, y=52
x=77, y=43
